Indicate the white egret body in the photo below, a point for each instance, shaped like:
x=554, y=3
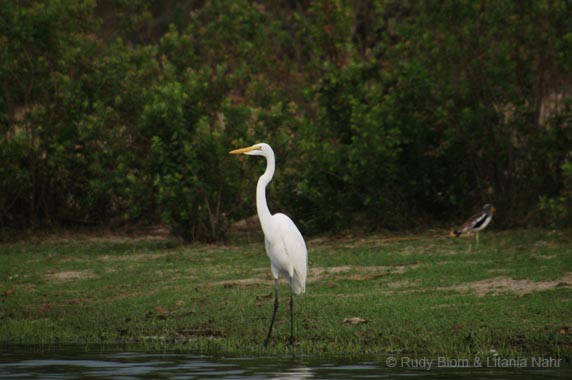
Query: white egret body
x=285, y=245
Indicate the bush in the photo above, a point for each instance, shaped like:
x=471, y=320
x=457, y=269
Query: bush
x=382, y=115
x=558, y=209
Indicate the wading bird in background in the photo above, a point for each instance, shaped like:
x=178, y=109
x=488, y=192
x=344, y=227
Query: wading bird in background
x=477, y=222
x=285, y=245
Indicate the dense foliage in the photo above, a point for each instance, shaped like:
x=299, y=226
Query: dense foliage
x=382, y=114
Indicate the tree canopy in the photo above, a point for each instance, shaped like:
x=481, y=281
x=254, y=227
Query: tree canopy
x=383, y=114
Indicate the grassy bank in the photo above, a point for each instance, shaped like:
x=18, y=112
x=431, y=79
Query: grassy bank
x=422, y=294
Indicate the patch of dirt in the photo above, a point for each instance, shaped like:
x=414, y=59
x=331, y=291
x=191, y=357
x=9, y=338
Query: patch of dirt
x=244, y=282
x=355, y=320
x=396, y=285
x=316, y=273
x=545, y=257
x=70, y=275
x=499, y=285
x=362, y=240
x=356, y=272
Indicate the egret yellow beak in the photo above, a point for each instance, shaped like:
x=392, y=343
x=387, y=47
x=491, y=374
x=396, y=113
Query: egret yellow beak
x=493, y=210
x=244, y=150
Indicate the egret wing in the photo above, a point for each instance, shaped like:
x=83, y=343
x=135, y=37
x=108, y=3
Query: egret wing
x=295, y=249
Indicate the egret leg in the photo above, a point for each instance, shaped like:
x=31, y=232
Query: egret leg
x=274, y=313
x=477, y=238
x=291, y=317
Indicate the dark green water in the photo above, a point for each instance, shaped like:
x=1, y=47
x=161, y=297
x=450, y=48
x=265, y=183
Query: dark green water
x=17, y=364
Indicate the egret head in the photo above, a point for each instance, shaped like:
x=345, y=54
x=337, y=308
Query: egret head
x=260, y=149
x=489, y=208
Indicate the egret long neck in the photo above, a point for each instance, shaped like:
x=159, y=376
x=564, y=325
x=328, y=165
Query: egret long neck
x=261, y=205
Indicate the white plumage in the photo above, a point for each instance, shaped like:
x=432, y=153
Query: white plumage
x=287, y=253
x=285, y=245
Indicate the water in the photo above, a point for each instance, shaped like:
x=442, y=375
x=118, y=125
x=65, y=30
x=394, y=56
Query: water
x=16, y=364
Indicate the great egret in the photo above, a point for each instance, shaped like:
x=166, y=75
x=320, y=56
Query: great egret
x=285, y=245
x=477, y=222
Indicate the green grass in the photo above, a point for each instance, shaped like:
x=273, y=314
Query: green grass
x=421, y=294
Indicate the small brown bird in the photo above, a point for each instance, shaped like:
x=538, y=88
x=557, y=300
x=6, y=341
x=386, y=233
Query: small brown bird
x=477, y=222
